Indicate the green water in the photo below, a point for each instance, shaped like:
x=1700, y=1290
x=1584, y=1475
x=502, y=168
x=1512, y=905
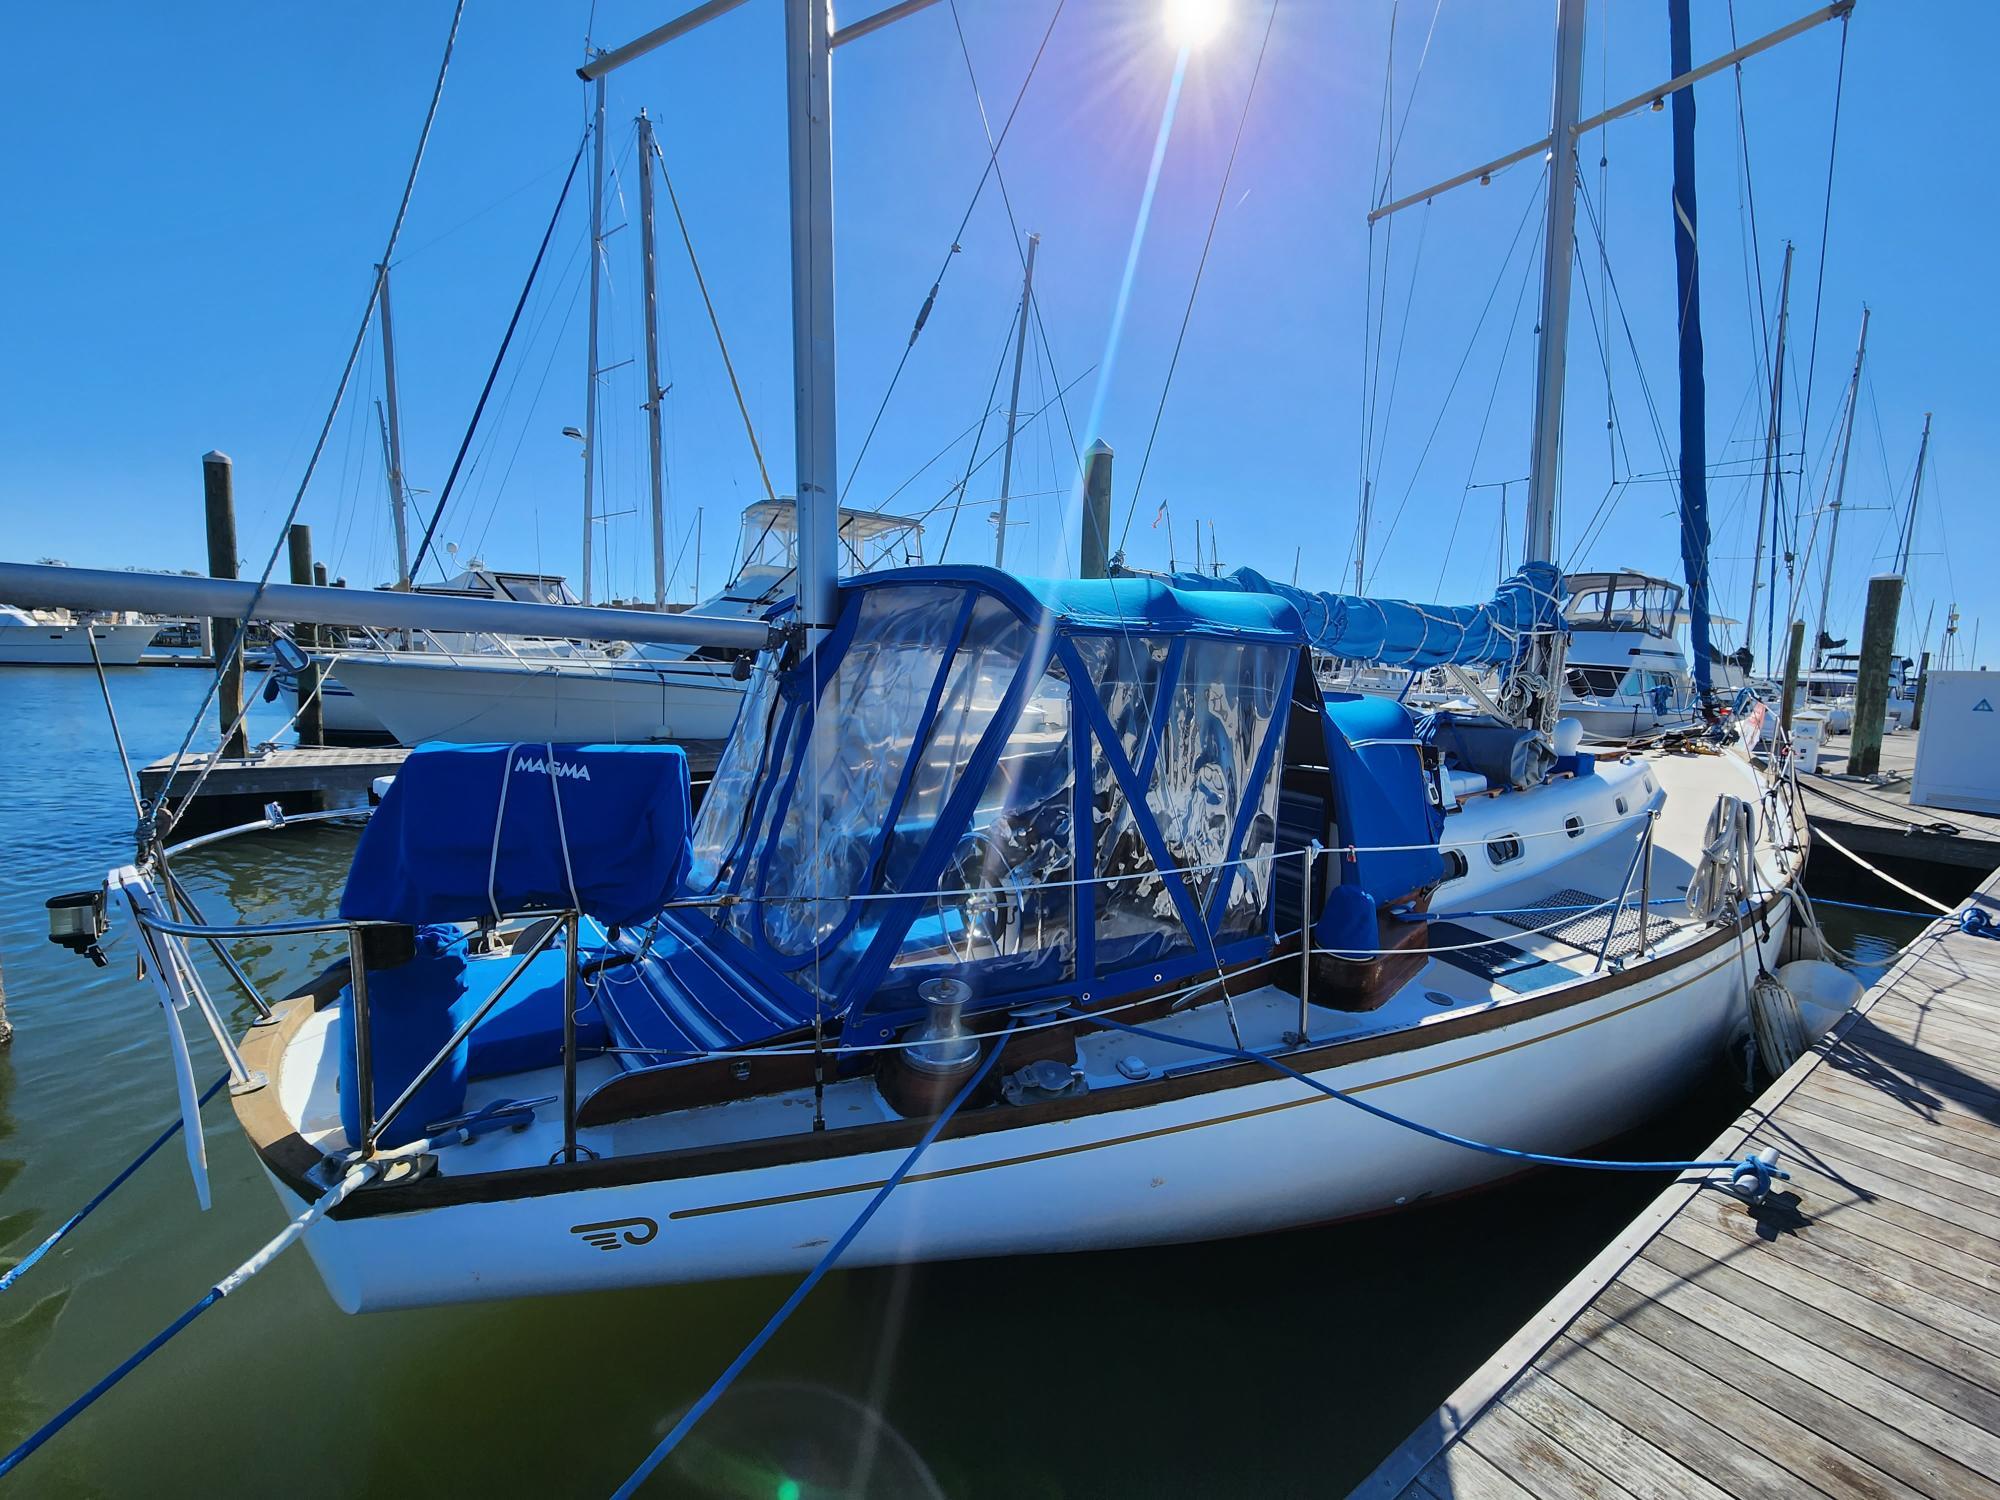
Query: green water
x=1283, y=1365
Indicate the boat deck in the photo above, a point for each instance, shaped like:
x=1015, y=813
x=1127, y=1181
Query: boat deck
x=1841, y=1340
x=1876, y=819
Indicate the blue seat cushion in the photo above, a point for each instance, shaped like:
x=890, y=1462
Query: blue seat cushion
x=411, y=1014
x=414, y=1007
x=525, y=1030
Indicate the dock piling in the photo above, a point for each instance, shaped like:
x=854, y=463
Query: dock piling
x=1094, y=553
x=311, y=724
x=1871, y=683
x=218, y=488
x=1791, y=693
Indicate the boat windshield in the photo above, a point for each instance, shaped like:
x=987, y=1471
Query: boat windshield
x=1623, y=602
x=937, y=806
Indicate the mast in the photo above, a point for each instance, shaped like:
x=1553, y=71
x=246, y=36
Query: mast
x=1558, y=249
x=1916, y=489
x=1840, y=485
x=1014, y=406
x=1771, y=443
x=653, y=391
x=590, y=352
x=1693, y=387
x=1361, y=534
x=393, y=442
x=808, y=108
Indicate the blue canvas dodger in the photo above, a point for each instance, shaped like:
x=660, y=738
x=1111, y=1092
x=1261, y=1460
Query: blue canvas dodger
x=474, y=831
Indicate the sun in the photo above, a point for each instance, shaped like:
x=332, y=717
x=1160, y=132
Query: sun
x=1194, y=23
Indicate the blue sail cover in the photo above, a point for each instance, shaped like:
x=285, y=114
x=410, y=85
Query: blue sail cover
x=472, y=831
x=1400, y=633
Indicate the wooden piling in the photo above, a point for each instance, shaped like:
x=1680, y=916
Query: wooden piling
x=218, y=487
x=1792, y=654
x=1923, y=677
x=311, y=725
x=1094, y=553
x=1871, y=682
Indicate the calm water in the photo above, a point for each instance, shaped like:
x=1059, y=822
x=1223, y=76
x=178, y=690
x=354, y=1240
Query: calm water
x=1283, y=1365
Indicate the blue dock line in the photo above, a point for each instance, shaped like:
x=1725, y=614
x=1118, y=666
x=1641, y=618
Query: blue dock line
x=281, y=1242
x=1887, y=911
x=1750, y=1177
x=111, y=1187
x=714, y=1393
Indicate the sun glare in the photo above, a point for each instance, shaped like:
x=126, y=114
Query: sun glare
x=1194, y=23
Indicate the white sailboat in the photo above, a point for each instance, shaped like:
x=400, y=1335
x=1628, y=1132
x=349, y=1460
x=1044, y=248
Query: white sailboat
x=1083, y=891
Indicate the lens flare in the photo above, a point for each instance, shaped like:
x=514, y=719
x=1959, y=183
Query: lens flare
x=1195, y=23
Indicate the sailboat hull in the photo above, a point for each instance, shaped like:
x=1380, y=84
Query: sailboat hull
x=1243, y=1159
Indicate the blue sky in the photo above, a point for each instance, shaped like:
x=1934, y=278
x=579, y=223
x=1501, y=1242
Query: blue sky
x=196, y=202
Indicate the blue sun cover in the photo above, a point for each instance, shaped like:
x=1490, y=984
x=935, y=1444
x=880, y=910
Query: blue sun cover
x=471, y=831
x=1400, y=633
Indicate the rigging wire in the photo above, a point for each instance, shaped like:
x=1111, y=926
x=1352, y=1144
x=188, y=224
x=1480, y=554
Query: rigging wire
x=1825, y=220
x=1465, y=359
x=333, y=411
x=493, y=374
x=930, y=301
x=749, y=428
x=1020, y=252
x=986, y=415
x=1208, y=242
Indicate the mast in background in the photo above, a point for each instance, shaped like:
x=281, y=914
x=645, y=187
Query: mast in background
x=590, y=342
x=1014, y=405
x=393, y=441
x=1840, y=488
x=653, y=391
x=1771, y=449
x=1916, y=490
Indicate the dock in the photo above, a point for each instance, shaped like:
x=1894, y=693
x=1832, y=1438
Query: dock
x=1874, y=817
x=299, y=778
x=306, y=778
x=1843, y=1339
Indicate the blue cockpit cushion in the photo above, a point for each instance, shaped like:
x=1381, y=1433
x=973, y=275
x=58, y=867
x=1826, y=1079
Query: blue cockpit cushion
x=473, y=831
x=410, y=1016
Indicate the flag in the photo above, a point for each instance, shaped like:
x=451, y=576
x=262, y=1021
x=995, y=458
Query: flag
x=1157, y=514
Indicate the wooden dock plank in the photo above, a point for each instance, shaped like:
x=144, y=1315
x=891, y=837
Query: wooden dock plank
x=1601, y=1441
x=1810, y=1403
x=1545, y=1466
x=1732, y=1466
x=1842, y=1339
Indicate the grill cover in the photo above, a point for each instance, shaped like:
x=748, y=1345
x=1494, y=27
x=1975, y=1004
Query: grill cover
x=470, y=831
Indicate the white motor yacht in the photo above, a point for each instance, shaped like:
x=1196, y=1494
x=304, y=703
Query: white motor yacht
x=57, y=638
x=628, y=694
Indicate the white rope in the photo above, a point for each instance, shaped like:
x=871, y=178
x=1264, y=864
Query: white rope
x=499, y=817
